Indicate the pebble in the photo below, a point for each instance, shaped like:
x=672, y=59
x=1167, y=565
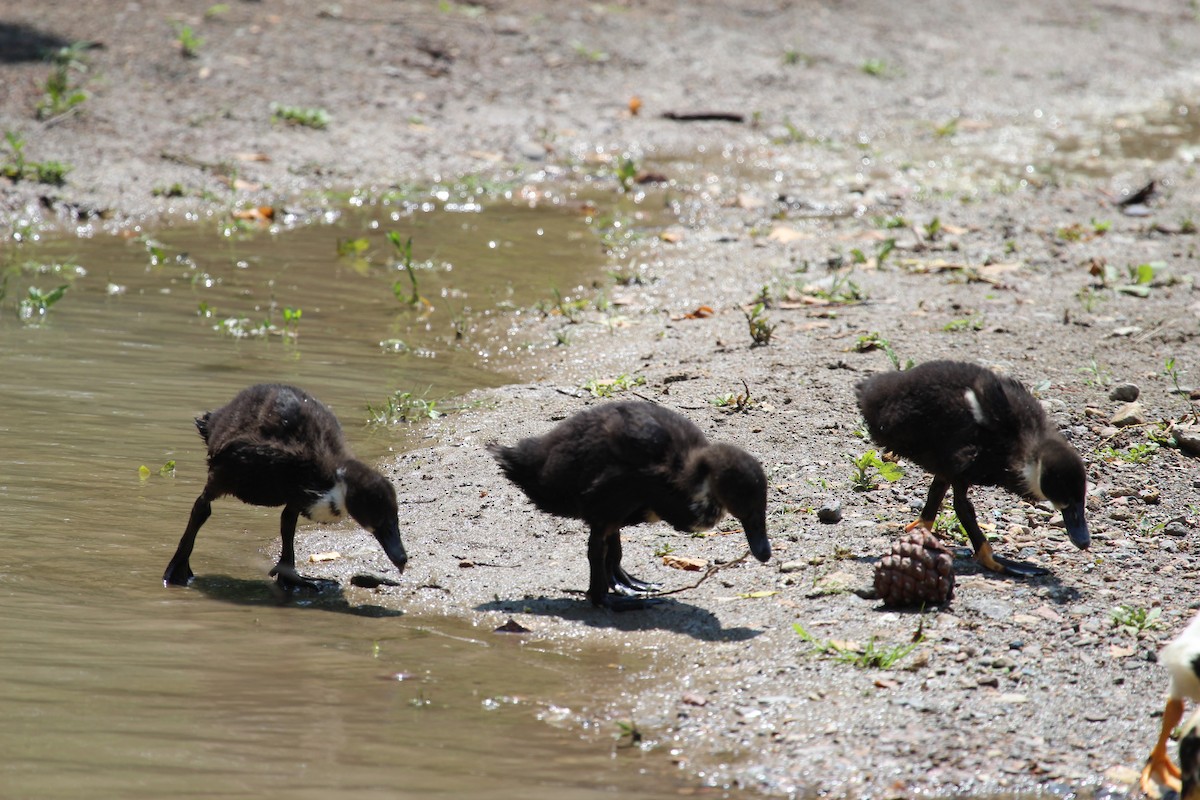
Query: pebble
x=1176, y=527
x=1128, y=414
x=831, y=512
x=1125, y=392
x=1188, y=440
x=791, y=566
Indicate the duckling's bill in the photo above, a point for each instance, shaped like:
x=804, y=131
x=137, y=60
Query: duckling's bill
x=1076, y=525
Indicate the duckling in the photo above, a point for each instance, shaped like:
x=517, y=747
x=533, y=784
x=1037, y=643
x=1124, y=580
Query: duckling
x=1181, y=656
x=967, y=425
x=624, y=463
x=276, y=445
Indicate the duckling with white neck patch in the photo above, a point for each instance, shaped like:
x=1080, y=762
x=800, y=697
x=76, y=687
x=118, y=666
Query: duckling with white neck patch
x=969, y=426
x=623, y=463
x=276, y=445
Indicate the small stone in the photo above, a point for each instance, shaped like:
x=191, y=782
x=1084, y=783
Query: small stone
x=791, y=566
x=1125, y=392
x=1188, y=440
x=1176, y=527
x=1149, y=496
x=1128, y=414
x=831, y=512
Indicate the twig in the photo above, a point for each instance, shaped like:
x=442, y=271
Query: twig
x=713, y=570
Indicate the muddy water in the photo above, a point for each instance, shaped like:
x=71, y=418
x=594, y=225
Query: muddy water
x=111, y=685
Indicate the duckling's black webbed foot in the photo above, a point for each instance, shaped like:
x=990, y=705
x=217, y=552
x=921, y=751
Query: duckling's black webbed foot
x=177, y=574
x=287, y=578
x=623, y=583
x=1018, y=569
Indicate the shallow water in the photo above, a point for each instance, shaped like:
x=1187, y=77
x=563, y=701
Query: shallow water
x=111, y=685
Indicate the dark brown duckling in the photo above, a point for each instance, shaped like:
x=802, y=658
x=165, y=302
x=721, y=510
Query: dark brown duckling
x=275, y=445
x=624, y=463
x=1189, y=759
x=969, y=426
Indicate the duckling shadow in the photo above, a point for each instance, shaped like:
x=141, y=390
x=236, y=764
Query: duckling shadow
x=242, y=592
x=667, y=614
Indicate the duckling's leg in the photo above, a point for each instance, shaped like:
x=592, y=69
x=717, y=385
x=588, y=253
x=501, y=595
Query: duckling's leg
x=1159, y=771
x=603, y=540
x=983, y=549
x=933, y=504
x=179, y=572
x=285, y=570
x=619, y=580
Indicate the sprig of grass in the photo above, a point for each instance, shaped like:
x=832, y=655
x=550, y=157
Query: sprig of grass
x=868, y=656
x=869, y=467
x=315, y=118
x=761, y=327
x=607, y=387
x=1135, y=620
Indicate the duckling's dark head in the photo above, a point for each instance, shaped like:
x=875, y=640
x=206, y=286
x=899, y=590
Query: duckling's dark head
x=371, y=500
x=1059, y=476
x=741, y=487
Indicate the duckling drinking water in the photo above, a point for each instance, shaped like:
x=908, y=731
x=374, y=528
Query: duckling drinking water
x=967, y=425
x=623, y=463
x=276, y=445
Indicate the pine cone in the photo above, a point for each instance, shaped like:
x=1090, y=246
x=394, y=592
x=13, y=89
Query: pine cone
x=917, y=570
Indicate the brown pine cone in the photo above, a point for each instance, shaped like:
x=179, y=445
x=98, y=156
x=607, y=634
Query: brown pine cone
x=917, y=570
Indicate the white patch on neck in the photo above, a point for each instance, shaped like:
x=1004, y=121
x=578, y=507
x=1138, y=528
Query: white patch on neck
x=976, y=409
x=329, y=506
x=1032, y=472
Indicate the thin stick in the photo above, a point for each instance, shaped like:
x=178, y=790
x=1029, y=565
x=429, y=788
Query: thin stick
x=713, y=570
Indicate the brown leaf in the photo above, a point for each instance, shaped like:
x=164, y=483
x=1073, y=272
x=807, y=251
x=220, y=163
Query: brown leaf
x=685, y=563
x=1118, y=651
x=635, y=105
x=256, y=214
x=251, y=156
x=317, y=558
x=693, y=699
x=784, y=234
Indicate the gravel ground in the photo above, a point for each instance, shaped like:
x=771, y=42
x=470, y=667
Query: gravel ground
x=990, y=142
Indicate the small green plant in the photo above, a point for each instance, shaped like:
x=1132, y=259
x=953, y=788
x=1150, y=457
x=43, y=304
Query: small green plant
x=933, y=229
x=188, y=40
x=291, y=320
x=869, y=656
x=891, y=223
x=761, y=327
x=1140, y=453
x=793, y=57
x=842, y=289
x=947, y=129
x=732, y=401
x=874, y=341
x=664, y=549
x=404, y=250
x=1089, y=298
x=403, y=406
x=967, y=324
x=36, y=304
x=626, y=171
x=1097, y=375
x=216, y=10
x=607, y=387
x=948, y=526
x=628, y=734
x=1172, y=371
x=16, y=167
x=60, y=93
x=875, y=67
x=1101, y=226
x=590, y=54
x=1135, y=620
x=868, y=467
x=315, y=118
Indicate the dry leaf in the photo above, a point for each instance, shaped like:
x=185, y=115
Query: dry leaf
x=693, y=699
x=635, y=105
x=685, y=563
x=256, y=214
x=759, y=594
x=784, y=234
x=1117, y=651
x=671, y=237
x=317, y=558
x=251, y=156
